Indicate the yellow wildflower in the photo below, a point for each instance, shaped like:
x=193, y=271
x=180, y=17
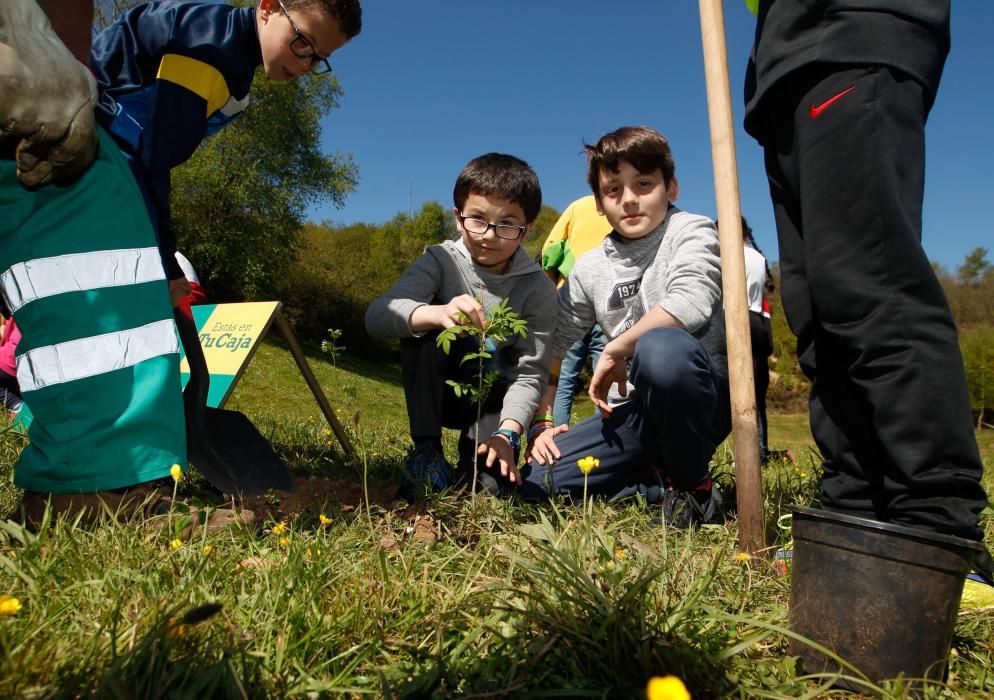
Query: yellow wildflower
x=284, y=542
x=588, y=464
x=666, y=688
x=176, y=472
x=804, y=475
x=175, y=544
x=308, y=553
x=9, y=605
x=208, y=549
x=325, y=520
x=743, y=557
x=279, y=528
x=178, y=630
x=621, y=554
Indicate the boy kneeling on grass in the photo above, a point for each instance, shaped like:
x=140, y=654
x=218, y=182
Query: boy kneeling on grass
x=497, y=198
x=661, y=383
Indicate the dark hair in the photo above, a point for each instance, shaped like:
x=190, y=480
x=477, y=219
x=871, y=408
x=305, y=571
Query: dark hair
x=347, y=13
x=644, y=148
x=502, y=176
x=747, y=234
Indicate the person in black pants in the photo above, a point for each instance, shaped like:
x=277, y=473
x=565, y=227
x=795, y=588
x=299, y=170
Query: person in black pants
x=838, y=94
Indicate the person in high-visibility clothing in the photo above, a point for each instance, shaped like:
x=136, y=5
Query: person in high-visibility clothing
x=98, y=361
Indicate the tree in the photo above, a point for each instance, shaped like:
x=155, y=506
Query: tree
x=975, y=267
x=239, y=203
x=546, y=219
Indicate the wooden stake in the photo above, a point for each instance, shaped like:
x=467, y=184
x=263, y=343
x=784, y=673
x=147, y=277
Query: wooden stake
x=312, y=383
x=749, y=480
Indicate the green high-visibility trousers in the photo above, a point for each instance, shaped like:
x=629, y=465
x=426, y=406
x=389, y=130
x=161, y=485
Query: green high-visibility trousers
x=98, y=362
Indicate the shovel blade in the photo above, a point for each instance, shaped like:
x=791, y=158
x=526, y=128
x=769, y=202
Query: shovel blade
x=236, y=458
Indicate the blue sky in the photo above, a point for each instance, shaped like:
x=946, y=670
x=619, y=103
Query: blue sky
x=430, y=84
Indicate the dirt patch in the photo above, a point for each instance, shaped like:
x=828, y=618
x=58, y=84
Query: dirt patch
x=317, y=495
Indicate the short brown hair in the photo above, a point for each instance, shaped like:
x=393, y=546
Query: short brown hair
x=644, y=148
x=347, y=13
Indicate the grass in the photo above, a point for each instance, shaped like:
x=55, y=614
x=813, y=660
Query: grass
x=445, y=599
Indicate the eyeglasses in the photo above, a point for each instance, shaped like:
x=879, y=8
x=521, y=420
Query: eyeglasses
x=303, y=48
x=479, y=227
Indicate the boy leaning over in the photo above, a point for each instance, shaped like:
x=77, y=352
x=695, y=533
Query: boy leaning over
x=171, y=73
x=661, y=382
x=497, y=198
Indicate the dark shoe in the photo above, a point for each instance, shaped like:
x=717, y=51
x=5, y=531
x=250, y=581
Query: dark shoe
x=151, y=502
x=685, y=509
x=427, y=471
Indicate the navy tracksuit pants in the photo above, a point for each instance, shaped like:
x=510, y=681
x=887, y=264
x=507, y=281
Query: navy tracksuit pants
x=664, y=437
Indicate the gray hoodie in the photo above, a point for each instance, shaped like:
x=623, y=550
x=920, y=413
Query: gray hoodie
x=676, y=267
x=447, y=270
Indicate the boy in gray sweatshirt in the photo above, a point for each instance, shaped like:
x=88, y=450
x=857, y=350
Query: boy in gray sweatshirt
x=661, y=384
x=497, y=198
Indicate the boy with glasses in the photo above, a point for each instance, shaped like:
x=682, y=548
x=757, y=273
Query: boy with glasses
x=497, y=198
x=169, y=74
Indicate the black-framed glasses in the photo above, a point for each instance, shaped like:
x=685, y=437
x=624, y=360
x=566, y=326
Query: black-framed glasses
x=478, y=227
x=303, y=48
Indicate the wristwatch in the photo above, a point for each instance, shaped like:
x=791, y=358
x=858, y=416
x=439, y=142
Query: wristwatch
x=511, y=436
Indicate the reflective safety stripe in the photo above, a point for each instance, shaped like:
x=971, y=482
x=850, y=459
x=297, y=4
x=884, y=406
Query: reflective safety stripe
x=99, y=354
x=44, y=277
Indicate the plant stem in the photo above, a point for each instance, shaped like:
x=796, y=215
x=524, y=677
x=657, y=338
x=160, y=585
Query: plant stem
x=479, y=412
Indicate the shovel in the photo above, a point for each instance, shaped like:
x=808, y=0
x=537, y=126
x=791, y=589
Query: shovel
x=224, y=445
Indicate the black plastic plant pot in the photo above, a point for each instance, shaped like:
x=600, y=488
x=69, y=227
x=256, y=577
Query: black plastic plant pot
x=882, y=597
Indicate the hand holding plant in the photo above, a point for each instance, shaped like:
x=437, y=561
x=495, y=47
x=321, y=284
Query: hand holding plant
x=490, y=329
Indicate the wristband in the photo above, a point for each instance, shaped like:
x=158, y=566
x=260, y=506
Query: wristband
x=512, y=437
x=538, y=429
x=542, y=419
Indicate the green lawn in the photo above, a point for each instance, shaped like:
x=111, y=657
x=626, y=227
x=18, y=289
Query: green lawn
x=447, y=599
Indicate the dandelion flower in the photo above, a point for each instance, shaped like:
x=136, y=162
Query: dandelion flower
x=176, y=472
x=666, y=688
x=284, y=542
x=325, y=520
x=208, y=549
x=743, y=557
x=9, y=605
x=175, y=544
x=279, y=528
x=588, y=464
x=621, y=554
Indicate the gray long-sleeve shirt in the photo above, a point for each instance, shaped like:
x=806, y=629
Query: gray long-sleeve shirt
x=446, y=271
x=676, y=267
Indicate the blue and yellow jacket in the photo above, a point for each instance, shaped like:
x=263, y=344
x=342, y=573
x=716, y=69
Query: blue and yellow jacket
x=169, y=74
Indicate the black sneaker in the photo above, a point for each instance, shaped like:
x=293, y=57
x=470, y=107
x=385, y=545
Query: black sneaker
x=427, y=471
x=684, y=509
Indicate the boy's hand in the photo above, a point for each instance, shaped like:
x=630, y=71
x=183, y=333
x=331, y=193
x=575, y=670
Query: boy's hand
x=48, y=97
x=498, y=450
x=611, y=369
x=179, y=289
x=449, y=314
x=542, y=448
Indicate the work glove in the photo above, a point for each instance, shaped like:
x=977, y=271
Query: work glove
x=46, y=98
